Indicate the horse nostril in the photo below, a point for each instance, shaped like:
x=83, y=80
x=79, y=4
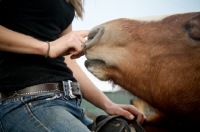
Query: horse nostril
x=93, y=38
x=93, y=33
x=97, y=31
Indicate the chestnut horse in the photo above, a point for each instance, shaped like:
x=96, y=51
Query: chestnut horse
x=157, y=61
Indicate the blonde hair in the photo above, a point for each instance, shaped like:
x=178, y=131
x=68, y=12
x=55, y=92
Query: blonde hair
x=78, y=5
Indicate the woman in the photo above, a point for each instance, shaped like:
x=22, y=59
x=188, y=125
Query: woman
x=38, y=71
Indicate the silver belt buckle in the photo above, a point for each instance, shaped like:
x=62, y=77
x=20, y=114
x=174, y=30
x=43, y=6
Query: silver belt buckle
x=70, y=90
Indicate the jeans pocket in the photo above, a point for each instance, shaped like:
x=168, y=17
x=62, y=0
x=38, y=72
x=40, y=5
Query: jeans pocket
x=56, y=96
x=1, y=128
x=42, y=98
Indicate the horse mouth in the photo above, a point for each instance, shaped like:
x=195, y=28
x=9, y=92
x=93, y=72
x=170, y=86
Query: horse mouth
x=90, y=63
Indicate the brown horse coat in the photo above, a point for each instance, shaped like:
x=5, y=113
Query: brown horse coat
x=157, y=61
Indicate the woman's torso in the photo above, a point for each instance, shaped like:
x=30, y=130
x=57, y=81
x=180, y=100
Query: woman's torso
x=43, y=20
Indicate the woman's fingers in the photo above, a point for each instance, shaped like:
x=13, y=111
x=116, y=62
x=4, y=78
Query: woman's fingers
x=78, y=49
x=128, y=111
x=71, y=43
x=83, y=33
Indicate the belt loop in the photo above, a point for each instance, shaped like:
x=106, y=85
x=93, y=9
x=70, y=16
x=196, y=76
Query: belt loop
x=65, y=88
x=70, y=89
x=0, y=99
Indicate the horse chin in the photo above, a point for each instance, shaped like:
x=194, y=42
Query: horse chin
x=97, y=68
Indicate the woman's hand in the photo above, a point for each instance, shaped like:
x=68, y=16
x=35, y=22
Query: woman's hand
x=128, y=111
x=71, y=43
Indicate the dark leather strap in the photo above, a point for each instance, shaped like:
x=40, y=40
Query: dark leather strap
x=138, y=127
x=42, y=88
x=95, y=127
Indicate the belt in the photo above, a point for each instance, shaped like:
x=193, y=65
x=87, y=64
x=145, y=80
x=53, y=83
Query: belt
x=74, y=90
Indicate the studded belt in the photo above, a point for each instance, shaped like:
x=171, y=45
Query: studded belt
x=74, y=90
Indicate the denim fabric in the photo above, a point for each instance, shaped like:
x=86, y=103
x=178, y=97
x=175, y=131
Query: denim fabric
x=47, y=112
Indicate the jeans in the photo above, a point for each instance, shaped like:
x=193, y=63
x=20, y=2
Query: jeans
x=46, y=112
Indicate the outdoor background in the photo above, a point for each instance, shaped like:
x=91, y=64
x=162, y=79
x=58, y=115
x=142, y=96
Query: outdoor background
x=99, y=11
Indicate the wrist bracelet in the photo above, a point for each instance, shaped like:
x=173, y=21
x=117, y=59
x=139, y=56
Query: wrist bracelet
x=47, y=54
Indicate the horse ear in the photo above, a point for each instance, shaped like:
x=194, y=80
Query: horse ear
x=193, y=27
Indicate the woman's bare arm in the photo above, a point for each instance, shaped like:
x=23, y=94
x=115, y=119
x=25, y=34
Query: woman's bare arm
x=12, y=41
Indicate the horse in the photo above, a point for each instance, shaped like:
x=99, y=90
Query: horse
x=156, y=60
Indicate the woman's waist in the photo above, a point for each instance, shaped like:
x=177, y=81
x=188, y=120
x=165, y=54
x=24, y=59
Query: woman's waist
x=20, y=81
x=69, y=87
x=19, y=72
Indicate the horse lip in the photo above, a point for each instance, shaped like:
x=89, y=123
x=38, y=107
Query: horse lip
x=95, y=62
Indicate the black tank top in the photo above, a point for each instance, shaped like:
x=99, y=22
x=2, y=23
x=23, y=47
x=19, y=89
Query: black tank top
x=43, y=20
